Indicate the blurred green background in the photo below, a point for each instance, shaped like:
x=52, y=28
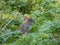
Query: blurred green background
x=46, y=14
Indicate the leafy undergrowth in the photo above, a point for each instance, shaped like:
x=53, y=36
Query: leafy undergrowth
x=46, y=14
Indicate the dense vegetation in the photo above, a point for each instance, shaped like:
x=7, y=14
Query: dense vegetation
x=46, y=14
